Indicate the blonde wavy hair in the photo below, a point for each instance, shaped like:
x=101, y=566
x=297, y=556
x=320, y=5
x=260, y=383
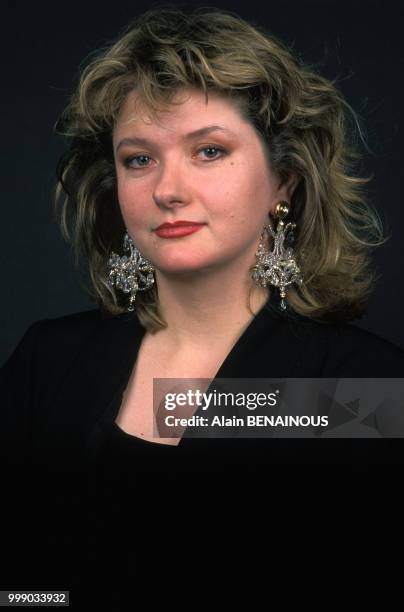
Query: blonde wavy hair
x=302, y=118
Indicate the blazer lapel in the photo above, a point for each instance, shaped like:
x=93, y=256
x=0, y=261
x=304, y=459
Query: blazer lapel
x=71, y=423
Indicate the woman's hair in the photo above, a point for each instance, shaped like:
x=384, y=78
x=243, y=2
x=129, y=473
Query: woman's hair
x=303, y=120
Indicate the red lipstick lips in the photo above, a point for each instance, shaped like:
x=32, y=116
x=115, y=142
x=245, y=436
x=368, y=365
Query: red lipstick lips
x=177, y=229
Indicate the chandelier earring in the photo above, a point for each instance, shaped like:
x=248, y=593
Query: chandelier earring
x=278, y=266
x=131, y=273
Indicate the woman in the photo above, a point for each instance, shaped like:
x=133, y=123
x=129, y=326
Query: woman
x=209, y=186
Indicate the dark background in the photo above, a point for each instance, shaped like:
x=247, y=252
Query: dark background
x=359, y=43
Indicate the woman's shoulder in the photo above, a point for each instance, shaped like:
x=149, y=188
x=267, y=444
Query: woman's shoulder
x=53, y=348
x=352, y=351
x=72, y=327
x=75, y=322
x=57, y=338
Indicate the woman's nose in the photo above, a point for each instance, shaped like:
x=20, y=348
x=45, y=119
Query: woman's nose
x=171, y=187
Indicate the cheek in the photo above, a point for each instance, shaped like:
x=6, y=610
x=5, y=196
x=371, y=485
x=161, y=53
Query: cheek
x=247, y=200
x=130, y=202
x=240, y=224
x=245, y=207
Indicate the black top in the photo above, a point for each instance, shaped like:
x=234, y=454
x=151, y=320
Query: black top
x=62, y=387
x=97, y=488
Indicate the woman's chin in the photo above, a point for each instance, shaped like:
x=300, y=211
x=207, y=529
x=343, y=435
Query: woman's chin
x=184, y=269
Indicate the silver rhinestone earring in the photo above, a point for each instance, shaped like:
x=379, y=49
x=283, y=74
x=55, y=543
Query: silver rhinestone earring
x=277, y=267
x=130, y=274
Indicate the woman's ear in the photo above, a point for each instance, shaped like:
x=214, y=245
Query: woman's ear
x=285, y=191
x=288, y=186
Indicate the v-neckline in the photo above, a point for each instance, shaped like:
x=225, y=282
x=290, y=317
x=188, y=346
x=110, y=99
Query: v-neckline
x=125, y=333
x=231, y=367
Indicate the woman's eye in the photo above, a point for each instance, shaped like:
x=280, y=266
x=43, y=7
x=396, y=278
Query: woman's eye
x=129, y=160
x=212, y=149
x=140, y=158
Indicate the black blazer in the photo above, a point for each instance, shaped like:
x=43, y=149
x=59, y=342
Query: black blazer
x=68, y=491
x=62, y=385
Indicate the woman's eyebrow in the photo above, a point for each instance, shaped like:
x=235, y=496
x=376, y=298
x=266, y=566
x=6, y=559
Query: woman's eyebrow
x=191, y=135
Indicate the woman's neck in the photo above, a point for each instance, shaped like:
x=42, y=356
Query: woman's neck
x=211, y=310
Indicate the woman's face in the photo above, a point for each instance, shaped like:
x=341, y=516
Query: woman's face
x=219, y=179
